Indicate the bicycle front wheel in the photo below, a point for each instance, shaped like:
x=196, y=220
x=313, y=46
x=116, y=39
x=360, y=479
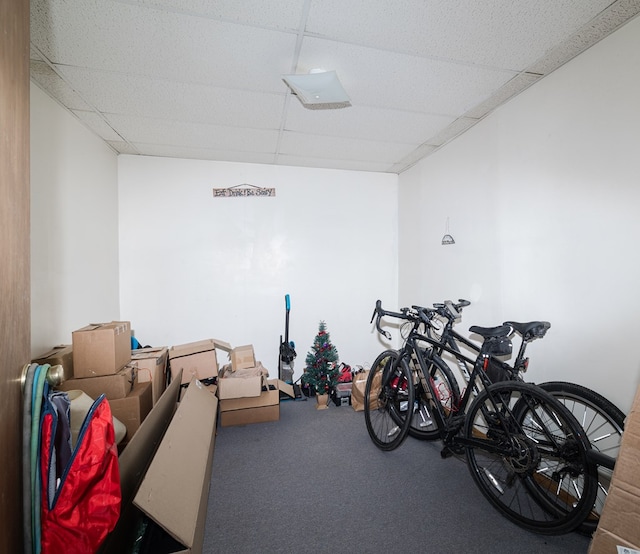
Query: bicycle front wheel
x=528, y=456
x=423, y=426
x=603, y=423
x=388, y=399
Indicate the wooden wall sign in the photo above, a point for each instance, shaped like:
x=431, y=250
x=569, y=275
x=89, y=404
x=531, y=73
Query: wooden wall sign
x=243, y=190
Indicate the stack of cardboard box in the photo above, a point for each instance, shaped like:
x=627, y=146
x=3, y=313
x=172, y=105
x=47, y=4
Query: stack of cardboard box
x=152, y=367
x=245, y=395
x=102, y=365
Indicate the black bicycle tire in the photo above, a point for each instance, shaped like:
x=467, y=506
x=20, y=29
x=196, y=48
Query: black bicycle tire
x=579, y=399
x=386, y=428
x=417, y=428
x=507, y=482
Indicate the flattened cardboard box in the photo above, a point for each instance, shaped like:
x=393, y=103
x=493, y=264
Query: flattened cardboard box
x=175, y=490
x=266, y=407
x=133, y=409
x=196, y=359
x=618, y=525
x=152, y=366
x=59, y=355
x=101, y=348
x=113, y=387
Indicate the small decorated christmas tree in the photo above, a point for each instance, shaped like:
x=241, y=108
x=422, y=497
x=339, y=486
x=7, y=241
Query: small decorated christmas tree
x=321, y=372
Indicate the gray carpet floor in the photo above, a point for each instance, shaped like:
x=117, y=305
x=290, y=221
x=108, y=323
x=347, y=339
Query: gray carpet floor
x=314, y=482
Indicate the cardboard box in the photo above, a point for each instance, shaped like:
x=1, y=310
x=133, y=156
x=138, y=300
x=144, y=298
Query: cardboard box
x=133, y=409
x=134, y=461
x=240, y=387
x=113, y=387
x=175, y=490
x=196, y=359
x=243, y=383
x=61, y=355
x=152, y=367
x=101, y=348
x=266, y=407
x=618, y=525
x=242, y=357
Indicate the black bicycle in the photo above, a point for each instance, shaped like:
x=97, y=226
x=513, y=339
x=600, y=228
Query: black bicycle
x=602, y=421
x=525, y=450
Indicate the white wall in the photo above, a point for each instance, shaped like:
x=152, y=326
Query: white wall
x=543, y=198
x=194, y=267
x=74, y=226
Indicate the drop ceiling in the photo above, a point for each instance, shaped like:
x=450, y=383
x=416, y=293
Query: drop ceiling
x=203, y=79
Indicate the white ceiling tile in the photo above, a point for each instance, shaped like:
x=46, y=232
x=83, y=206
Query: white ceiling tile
x=458, y=126
x=122, y=147
x=156, y=98
x=98, y=125
x=413, y=157
x=49, y=81
x=337, y=148
x=504, y=93
x=378, y=78
x=352, y=165
x=283, y=14
x=204, y=154
x=112, y=36
x=366, y=123
x=193, y=135
x=462, y=30
x=203, y=79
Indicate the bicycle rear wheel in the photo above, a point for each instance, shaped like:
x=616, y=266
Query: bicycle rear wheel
x=388, y=397
x=529, y=458
x=423, y=426
x=603, y=423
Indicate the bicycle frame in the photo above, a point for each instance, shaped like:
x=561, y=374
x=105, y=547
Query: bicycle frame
x=448, y=424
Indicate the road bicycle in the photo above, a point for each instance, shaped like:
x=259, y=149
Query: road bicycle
x=602, y=421
x=525, y=451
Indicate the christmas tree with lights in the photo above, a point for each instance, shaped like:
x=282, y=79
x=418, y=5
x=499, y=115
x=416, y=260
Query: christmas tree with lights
x=321, y=372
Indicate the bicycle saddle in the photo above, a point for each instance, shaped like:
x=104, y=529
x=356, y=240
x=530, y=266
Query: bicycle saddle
x=532, y=329
x=487, y=332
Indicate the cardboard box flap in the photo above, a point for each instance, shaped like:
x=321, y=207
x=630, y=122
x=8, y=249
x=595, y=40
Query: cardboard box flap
x=191, y=348
x=222, y=345
x=286, y=388
x=151, y=352
x=175, y=490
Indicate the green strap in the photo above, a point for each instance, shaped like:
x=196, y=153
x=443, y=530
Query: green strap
x=27, y=395
x=36, y=485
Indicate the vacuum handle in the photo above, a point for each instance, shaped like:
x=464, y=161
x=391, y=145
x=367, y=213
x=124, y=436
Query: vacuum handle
x=287, y=302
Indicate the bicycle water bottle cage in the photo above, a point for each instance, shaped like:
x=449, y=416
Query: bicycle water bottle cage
x=531, y=330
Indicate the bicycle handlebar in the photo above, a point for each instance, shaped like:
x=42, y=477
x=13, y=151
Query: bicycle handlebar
x=378, y=313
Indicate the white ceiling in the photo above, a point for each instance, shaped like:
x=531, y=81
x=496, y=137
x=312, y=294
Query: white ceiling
x=203, y=78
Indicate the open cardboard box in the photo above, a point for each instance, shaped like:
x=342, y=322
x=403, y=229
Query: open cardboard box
x=256, y=409
x=160, y=482
x=196, y=359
